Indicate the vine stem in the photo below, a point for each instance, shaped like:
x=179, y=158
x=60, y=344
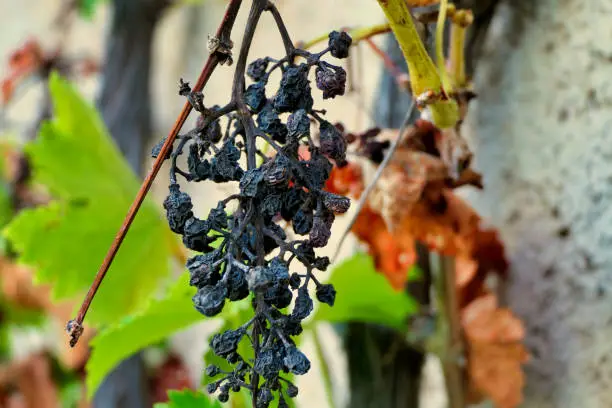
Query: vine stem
x=257, y=8
x=219, y=54
x=449, y=326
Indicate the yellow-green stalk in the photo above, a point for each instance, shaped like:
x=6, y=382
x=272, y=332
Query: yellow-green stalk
x=461, y=20
x=424, y=75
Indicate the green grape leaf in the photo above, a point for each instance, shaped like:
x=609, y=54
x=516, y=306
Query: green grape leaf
x=365, y=295
x=93, y=186
x=188, y=399
x=161, y=318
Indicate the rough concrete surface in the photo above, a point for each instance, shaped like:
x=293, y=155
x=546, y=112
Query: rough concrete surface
x=542, y=127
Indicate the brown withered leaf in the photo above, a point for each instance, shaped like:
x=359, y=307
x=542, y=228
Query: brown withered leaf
x=396, y=193
x=392, y=254
x=18, y=288
x=33, y=382
x=496, y=353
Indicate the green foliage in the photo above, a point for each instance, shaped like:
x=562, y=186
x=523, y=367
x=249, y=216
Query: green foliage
x=156, y=322
x=188, y=399
x=87, y=8
x=365, y=295
x=6, y=198
x=93, y=186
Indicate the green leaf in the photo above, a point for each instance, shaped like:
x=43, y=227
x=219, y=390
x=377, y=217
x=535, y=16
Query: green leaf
x=188, y=399
x=159, y=320
x=87, y=8
x=365, y=295
x=93, y=186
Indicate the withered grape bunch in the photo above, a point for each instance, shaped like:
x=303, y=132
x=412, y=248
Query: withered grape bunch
x=281, y=214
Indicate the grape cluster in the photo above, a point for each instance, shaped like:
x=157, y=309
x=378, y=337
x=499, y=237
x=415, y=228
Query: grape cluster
x=282, y=215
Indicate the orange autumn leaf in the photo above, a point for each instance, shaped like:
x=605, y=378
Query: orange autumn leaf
x=495, y=354
x=392, y=257
x=347, y=180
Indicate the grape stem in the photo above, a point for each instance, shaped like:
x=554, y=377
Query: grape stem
x=244, y=115
x=220, y=55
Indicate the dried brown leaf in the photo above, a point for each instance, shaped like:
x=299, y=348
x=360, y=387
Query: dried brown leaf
x=495, y=352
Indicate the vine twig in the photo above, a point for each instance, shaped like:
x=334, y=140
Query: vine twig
x=218, y=55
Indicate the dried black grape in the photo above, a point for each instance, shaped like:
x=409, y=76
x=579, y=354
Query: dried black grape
x=326, y=294
x=296, y=361
x=226, y=343
x=305, y=253
x=249, y=182
x=257, y=69
x=223, y=396
x=237, y=285
x=277, y=171
x=212, y=387
x=321, y=263
x=217, y=217
x=331, y=81
x=260, y=278
x=212, y=370
x=320, y=232
x=270, y=123
x=292, y=200
x=303, y=305
x=255, y=96
x=195, y=235
x=265, y=398
x=280, y=271
x=292, y=327
x=292, y=391
x=295, y=281
x=178, y=208
x=209, y=300
x=224, y=166
x=283, y=297
x=339, y=44
x=335, y=202
x=317, y=169
x=212, y=132
x=298, y=124
x=270, y=206
x=202, y=270
x=332, y=142
x=294, y=90
x=199, y=169
x=268, y=363
x=302, y=222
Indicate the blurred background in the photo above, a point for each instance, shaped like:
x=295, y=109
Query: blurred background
x=539, y=130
